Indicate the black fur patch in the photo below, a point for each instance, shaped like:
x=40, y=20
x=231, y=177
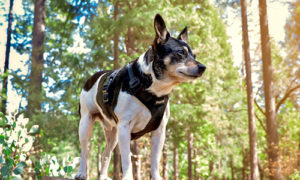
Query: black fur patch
x=91, y=81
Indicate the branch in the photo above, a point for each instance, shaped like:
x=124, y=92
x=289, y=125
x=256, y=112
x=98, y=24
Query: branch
x=259, y=108
x=260, y=122
x=286, y=95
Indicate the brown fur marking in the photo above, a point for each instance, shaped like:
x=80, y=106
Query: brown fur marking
x=91, y=81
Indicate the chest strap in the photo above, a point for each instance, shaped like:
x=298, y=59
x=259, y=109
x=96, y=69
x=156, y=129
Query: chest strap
x=108, y=92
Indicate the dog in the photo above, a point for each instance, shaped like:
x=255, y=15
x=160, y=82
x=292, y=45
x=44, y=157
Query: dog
x=134, y=100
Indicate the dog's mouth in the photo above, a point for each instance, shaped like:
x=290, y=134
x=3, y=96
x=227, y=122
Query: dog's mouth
x=191, y=76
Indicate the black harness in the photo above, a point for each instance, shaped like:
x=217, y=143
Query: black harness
x=131, y=81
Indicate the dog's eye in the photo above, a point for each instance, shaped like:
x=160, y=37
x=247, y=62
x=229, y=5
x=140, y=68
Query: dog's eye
x=181, y=53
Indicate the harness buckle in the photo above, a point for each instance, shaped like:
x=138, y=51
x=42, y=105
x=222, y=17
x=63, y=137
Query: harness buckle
x=134, y=83
x=105, y=96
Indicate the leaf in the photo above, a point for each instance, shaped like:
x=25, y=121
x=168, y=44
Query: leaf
x=5, y=170
x=19, y=168
x=1, y=159
x=34, y=129
x=68, y=169
x=2, y=139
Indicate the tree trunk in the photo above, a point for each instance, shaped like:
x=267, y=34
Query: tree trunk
x=245, y=164
x=117, y=164
x=130, y=41
x=175, y=163
x=250, y=101
x=117, y=156
x=261, y=170
x=136, y=161
x=37, y=61
x=190, y=139
x=165, y=163
x=232, y=168
x=195, y=164
x=272, y=131
x=6, y=63
x=116, y=37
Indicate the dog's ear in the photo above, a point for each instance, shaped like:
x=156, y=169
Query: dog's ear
x=161, y=31
x=183, y=35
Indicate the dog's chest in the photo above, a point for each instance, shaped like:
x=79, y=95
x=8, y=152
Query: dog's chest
x=130, y=110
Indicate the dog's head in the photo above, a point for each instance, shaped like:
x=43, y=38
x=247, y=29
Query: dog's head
x=173, y=58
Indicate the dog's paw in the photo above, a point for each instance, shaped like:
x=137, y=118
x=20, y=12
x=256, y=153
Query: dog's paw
x=104, y=178
x=80, y=176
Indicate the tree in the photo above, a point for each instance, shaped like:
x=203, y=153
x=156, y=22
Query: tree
x=6, y=63
x=250, y=101
x=117, y=156
x=272, y=128
x=37, y=59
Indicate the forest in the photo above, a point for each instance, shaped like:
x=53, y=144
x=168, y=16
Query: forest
x=239, y=121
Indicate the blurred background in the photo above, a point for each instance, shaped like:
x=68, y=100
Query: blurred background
x=48, y=49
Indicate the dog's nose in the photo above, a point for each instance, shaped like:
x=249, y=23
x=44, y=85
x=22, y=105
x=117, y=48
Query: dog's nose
x=201, y=68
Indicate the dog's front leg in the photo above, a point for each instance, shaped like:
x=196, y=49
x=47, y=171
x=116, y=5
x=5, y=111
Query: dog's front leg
x=124, y=146
x=157, y=144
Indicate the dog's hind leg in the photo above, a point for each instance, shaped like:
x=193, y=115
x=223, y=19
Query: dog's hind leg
x=111, y=142
x=85, y=132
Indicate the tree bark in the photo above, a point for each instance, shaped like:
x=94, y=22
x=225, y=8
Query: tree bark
x=135, y=160
x=261, y=170
x=130, y=41
x=117, y=164
x=175, y=162
x=271, y=121
x=250, y=100
x=245, y=164
x=116, y=37
x=165, y=163
x=196, y=176
x=117, y=156
x=190, y=139
x=232, y=168
x=37, y=61
x=7, y=53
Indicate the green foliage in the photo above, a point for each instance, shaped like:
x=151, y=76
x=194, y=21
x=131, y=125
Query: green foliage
x=50, y=166
x=15, y=144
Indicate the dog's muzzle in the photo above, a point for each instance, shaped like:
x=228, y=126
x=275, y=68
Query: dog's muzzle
x=201, y=69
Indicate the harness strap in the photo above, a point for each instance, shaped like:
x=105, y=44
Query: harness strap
x=134, y=82
x=157, y=113
x=107, y=95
